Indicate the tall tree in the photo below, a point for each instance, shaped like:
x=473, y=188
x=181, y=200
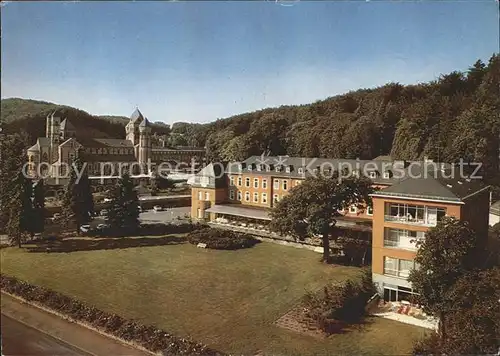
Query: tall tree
x=124, y=213
x=78, y=204
x=314, y=206
x=20, y=209
x=448, y=252
x=38, y=223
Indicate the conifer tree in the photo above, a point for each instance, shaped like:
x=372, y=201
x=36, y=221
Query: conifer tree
x=78, y=204
x=124, y=212
x=39, y=206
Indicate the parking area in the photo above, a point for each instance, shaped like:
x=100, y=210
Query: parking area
x=165, y=216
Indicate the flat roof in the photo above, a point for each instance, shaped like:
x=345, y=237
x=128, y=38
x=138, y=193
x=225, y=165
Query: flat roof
x=252, y=213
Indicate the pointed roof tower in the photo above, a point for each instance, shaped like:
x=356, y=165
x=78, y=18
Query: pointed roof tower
x=136, y=116
x=67, y=125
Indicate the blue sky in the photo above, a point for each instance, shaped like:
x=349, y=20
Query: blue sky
x=198, y=61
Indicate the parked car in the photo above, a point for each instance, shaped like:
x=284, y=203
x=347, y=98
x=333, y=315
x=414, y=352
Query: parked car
x=157, y=208
x=85, y=228
x=102, y=226
x=103, y=212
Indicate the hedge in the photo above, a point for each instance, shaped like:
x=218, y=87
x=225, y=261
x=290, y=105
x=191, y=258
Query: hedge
x=221, y=239
x=337, y=305
x=147, y=336
x=156, y=229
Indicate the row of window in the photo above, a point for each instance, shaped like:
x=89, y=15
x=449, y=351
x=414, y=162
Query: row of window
x=300, y=170
x=353, y=209
x=205, y=195
x=402, y=238
x=112, y=151
x=398, y=267
x=255, y=197
x=256, y=182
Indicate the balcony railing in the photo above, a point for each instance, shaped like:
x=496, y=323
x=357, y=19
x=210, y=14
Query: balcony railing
x=406, y=244
x=410, y=221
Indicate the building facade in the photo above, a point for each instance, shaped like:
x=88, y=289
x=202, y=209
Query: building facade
x=406, y=204
x=51, y=154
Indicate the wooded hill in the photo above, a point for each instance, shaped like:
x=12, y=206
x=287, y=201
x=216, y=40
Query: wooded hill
x=455, y=116
x=29, y=116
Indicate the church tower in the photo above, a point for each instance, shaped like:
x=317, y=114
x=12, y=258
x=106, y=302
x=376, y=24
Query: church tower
x=144, y=144
x=53, y=133
x=132, y=128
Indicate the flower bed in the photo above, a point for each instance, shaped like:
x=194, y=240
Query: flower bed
x=338, y=304
x=147, y=336
x=221, y=239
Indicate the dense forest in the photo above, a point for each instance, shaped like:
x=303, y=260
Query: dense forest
x=29, y=116
x=455, y=116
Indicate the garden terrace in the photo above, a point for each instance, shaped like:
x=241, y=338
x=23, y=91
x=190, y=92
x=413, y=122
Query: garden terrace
x=228, y=300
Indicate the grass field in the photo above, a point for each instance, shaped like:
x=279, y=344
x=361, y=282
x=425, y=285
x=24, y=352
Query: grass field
x=226, y=299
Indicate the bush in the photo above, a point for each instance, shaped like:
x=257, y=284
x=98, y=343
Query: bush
x=149, y=337
x=339, y=304
x=220, y=239
x=157, y=229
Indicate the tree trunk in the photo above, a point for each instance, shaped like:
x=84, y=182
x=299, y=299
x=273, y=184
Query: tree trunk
x=326, y=247
x=442, y=328
x=19, y=241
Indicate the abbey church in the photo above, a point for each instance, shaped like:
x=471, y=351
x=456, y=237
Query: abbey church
x=50, y=154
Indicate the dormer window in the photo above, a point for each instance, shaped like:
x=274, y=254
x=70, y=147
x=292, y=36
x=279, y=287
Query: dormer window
x=355, y=173
x=259, y=167
x=386, y=175
x=301, y=170
x=268, y=168
x=288, y=169
x=240, y=166
x=249, y=167
x=373, y=174
x=278, y=168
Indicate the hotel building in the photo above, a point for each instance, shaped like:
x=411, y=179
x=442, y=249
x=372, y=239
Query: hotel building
x=404, y=208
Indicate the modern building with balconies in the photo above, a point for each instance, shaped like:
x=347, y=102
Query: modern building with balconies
x=405, y=211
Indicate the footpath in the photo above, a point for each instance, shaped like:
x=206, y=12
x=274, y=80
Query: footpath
x=70, y=333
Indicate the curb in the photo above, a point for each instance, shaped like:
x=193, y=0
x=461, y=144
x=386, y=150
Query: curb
x=85, y=325
x=48, y=334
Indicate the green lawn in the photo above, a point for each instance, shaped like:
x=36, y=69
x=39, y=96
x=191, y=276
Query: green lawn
x=227, y=299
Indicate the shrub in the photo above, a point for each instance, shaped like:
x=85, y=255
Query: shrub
x=221, y=239
x=149, y=337
x=339, y=304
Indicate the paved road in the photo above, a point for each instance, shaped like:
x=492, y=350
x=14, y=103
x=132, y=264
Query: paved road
x=165, y=216
x=20, y=339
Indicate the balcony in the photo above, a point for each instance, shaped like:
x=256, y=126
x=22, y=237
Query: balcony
x=413, y=214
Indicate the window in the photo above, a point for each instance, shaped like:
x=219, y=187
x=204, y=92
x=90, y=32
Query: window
x=239, y=195
x=247, y=196
x=398, y=267
x=278, y=168
x=301, y=170
x=207, y=196
x=373, y=175
x=297, y=182
x=249, y=167
x=353, y=209
x=240, y=166
x=264, y=198
x=231, y=194
x=276, y=184
x=386, y=175
x=259, y=167
x=285, y=184
x=255, y=197
x=256, y=182
x=231, y=181
x=276, y=198
x=200, y=195
x=239, y=181
x=390, y=266
x=247, y=182
x=264, y=183
x=369, y=211
x=288, y=169
x=402, y=238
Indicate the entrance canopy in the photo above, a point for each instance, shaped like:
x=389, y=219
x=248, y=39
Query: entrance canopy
x=259, y=214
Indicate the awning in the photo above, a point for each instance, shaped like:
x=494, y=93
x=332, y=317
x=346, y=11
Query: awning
x=260, y=214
